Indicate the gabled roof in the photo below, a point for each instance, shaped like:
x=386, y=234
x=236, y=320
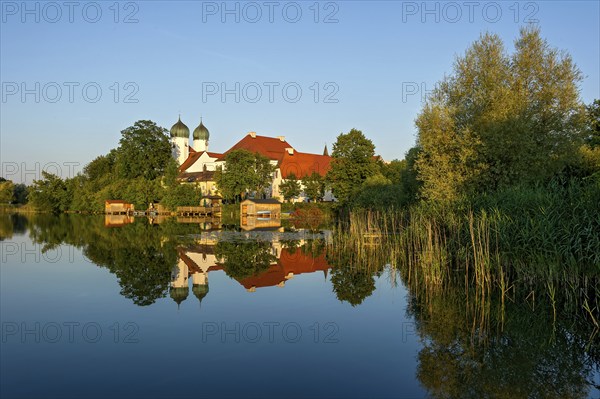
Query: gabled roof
x=263, y=201
x=192, y=266
x=302, y=164
x=271, y=147
x=207, y=175
x=193, y=157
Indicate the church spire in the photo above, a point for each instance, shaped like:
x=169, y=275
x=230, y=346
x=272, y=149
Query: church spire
x=325, y=152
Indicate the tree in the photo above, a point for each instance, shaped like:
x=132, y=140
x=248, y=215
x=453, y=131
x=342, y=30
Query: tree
x=314, y=186
x=243, y=171
x=181, y=195
x=593, y=135
x=101, y=166
x=244, y=259
x=500, y=120
x=144, y=151
x=393, y=170
x=262, y=173
x=353, y=162
x=6, y=191
x=290, y=188
x=50, y=193
x=20, y=193
x=409, y=181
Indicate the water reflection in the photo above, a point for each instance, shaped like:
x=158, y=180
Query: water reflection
x=253, y=264
x=473, y=348
x=155, y=258
x=470, y=345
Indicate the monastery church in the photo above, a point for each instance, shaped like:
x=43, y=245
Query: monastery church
x=197, y=165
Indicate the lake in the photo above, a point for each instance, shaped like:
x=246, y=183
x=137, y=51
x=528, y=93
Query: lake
x=97, y=308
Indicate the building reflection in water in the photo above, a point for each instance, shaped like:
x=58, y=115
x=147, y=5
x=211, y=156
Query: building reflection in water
x=198, y=260
x=117, y=220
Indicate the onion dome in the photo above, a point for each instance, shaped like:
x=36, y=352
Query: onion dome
x=180, y=130
x=201, y=132
x=200, y=291
x=179, y=294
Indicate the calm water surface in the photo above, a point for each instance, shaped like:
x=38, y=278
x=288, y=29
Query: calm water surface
x=191, y=310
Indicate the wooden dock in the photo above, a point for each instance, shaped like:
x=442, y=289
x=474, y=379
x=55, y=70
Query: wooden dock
x=196, y=211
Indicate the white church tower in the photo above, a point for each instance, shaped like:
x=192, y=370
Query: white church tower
x=201, y=136
x=180, y=141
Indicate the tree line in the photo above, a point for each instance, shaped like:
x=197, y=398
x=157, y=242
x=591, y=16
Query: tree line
x=499, y=120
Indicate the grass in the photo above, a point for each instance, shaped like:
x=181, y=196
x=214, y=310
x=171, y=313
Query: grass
x=523, y=242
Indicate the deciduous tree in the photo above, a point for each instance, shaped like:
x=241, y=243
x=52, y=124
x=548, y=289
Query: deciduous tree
x=290, y=188
x=499, y=120
x=144, y=151
x=243, y=172
x=314, y=186
x=353, y=162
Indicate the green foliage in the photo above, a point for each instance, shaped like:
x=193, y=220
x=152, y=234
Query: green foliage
x=395, y=186
x=144, y=151
x=262, y=173
x=6, y=191
x=504, y=349
x=592, y=138
x=20, y=193
x=141, y=192
x=353, y=162
x=411, y=185
x=290, y=188
x=393, y=170
x=101, y=166
x=244, y=172
x=351, y=277
x=243, y=259
x=314, y=186
x=50, y=194
x=133, y=172
x=383, y=196
x=135, y=253
x=181, y=195
x=500, y=120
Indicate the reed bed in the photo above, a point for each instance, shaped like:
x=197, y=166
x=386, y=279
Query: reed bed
x=521, y=244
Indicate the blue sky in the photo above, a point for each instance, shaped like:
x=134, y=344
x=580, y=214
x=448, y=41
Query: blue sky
x=358, y=64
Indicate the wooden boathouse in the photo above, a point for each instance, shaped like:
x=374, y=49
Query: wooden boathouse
x=118, y=207
x=263, y=208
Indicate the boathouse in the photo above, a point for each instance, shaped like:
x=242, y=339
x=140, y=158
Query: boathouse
x=263, y=208
x=118, y=207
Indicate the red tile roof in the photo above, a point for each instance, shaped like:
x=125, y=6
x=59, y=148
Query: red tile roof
x=302, y=164
x=296, y=263
x=271, y=277
x=271, y=147
x=299, y=262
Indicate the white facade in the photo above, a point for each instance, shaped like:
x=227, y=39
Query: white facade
x=205, y=162
x=179, y=275
x=180, y=148
x=200, y=145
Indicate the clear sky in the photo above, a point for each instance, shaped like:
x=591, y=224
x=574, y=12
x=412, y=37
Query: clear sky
x=239, y=65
